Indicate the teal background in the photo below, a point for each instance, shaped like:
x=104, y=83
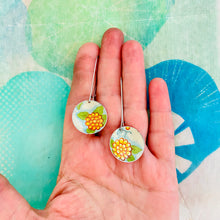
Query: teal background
x=32, y=113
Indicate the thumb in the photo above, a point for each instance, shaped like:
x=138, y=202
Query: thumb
x=12, y=204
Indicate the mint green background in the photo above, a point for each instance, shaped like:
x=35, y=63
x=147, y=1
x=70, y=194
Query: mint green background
x=59, y=27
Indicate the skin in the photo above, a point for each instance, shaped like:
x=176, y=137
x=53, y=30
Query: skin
x=91, y=183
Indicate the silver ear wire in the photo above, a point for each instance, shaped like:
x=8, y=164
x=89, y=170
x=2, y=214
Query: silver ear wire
x=89, y=116
x=93, y=87
x=122, y=105
x=126, y=143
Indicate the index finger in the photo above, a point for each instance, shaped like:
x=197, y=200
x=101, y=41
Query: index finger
x=83, y=73
x=81, y=85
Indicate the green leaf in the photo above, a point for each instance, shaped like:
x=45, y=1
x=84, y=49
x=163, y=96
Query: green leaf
x=111, y=143
x=89, y=131
x=99, y=110
x=131, y=158
x=83, y=115
x=78, y=106
x=104, y=117
x=135, y=149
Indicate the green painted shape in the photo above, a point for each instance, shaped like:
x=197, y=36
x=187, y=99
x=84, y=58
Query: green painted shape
x=99, y=110
x=135, y=149
x=89, y=131
x=59, y=27
x=79, y=106
x=131, y=158
x=83, y=115
x=104, y=117
x=111, y=143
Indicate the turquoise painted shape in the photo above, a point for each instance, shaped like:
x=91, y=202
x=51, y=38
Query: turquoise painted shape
x=31, y=124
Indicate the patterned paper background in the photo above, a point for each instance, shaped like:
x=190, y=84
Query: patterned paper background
x=38, y=43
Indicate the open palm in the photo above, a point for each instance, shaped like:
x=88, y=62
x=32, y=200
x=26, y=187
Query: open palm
x=92, y=184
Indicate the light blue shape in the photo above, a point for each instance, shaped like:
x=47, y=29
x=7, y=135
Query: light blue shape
x=12, y=34
x=31, y=124
x=195, y=97
x=6, y=5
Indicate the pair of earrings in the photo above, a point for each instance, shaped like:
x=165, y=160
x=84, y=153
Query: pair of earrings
x=90, y=117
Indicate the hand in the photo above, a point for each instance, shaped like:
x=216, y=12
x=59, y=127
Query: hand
x=92, y=184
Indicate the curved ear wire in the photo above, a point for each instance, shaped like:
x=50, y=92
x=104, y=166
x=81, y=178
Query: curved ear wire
x=122, y=104
x=126, y=143
x=93, y=86
x=89, y=116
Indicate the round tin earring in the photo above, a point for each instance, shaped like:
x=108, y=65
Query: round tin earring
x=89, y=116
x=126, y=143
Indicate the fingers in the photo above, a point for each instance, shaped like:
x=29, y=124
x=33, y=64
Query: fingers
x=109, y=73
x=134, y=86
x=161, y=132
x=83, y=73
x=13, y=205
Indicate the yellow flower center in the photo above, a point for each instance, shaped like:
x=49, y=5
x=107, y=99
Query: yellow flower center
x=94, y=121
x=121, y=149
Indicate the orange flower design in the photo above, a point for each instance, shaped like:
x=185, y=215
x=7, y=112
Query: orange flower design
x=121, y=149
x=94, y=121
